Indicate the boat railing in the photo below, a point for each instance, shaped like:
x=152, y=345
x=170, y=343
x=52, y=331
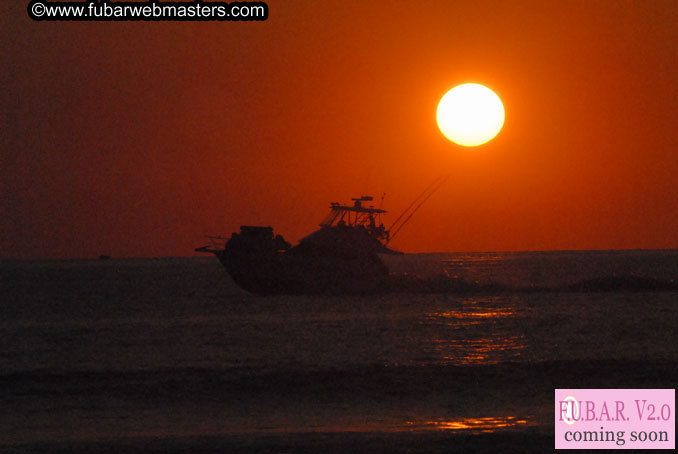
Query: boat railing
x=217, y=243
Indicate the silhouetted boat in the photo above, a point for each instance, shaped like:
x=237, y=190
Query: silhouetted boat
x=341, y=257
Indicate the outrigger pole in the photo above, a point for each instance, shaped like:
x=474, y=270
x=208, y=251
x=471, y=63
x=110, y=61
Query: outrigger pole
x=421, y=198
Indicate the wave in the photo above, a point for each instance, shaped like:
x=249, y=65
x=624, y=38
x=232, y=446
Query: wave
x=623, y=283
x=445, y=284
x=242, y=400
x=383, y=382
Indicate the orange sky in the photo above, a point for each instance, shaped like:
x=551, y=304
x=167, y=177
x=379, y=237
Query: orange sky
x=135, y=139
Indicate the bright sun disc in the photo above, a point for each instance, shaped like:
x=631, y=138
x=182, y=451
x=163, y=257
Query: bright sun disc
x=470, y=115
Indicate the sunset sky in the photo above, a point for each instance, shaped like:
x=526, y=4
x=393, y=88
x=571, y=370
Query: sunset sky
x=136, y=139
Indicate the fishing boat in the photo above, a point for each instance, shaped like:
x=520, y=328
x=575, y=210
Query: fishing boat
x=341, y=257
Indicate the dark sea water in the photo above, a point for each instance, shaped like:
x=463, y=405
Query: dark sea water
x=168, y=355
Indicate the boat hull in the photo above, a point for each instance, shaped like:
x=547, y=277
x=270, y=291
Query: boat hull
x=286, y=273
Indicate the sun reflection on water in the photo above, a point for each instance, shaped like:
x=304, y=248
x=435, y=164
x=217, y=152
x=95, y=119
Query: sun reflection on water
x=454, y=344
x=487, y=424
x=479, y=351
x=472, y=310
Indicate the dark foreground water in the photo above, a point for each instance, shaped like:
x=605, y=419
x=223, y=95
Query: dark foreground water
x=167, y=355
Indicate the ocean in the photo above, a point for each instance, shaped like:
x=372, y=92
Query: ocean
x=168, y=355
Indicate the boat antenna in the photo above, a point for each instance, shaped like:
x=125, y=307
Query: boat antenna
x=431, y=189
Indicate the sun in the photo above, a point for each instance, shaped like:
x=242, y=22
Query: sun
x=470, y=115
